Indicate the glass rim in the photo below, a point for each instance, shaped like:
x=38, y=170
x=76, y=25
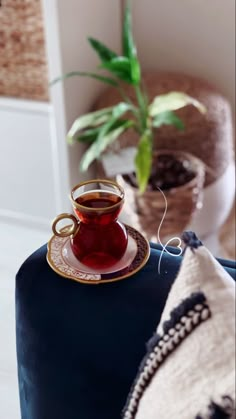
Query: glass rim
x=88, y=182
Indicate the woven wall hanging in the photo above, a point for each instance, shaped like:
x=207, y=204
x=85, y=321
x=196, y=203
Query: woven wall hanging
x=23, y=66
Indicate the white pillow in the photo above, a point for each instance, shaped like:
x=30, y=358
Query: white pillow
x=189, y=371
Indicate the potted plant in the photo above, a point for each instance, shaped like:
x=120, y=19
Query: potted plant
x=102, y=128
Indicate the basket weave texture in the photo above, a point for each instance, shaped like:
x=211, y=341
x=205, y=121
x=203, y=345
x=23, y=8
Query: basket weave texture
x=147, y=211
x=208, y=137
x=23, y=66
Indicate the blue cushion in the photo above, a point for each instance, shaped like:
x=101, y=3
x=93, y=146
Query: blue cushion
x=79, y=346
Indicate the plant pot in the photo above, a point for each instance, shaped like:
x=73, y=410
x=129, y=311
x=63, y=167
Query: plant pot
x=208, y=137
x=218, y=199
x=176, y=208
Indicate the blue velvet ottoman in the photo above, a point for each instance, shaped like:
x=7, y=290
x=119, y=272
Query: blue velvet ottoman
x=79, y=346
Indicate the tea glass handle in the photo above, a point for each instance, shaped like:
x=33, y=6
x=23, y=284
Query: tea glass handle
x=71, y=230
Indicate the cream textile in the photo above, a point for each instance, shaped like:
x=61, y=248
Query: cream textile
x=202, y=367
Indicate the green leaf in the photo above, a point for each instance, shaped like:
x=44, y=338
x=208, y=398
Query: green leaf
x=117, y=111
x=97, y=148
x=103, y=79
x=143, y=161
x=117, y=64
x=120, y=66
x=168, y=118
x=104, y=53
x=91, y=119
x=135, y=70
x=173, y=101
x=89, y=135
x=141, y=98
x=129, y=48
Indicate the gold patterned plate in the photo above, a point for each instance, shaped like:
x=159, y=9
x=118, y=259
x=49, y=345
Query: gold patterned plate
x=62, y=260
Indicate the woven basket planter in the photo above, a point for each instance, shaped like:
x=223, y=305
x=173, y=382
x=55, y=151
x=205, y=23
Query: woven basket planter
x=146, y=211
x=23, y=67
x=209, y=137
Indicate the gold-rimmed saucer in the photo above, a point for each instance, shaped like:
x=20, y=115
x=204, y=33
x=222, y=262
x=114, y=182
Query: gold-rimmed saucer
x=62, y=260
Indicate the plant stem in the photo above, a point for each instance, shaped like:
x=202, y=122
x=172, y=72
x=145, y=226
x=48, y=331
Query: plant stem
x=143, y=108
x=127, y=99
x=124, y=96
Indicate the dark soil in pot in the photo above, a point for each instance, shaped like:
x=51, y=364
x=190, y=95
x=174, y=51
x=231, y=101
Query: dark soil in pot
x=181, y=177
x=168, y=172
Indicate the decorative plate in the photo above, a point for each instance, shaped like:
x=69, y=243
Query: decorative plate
x=62, y=260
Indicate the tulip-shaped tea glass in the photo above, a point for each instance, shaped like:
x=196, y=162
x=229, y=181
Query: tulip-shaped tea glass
x=98, y=239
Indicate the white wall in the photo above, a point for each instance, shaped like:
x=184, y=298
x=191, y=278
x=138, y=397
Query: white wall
x=193, y=36
x=68, y=24
x=28, y=172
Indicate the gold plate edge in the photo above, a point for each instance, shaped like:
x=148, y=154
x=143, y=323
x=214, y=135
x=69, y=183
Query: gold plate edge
x=100, y=281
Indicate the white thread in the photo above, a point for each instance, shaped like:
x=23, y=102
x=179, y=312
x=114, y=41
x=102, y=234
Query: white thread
x=159, y=357
x=171, y=332
x=176, y=338
x=189, y=325
x=183, y=320
x=178, y=326
x=205, y=314
x=182, y=333
x=164, y=247
x=165, y=350
x=196, y=318
x=170, y=345
x=198, y=307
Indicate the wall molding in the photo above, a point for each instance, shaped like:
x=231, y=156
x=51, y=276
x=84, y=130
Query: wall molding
x=28, y=106
x=10, y=217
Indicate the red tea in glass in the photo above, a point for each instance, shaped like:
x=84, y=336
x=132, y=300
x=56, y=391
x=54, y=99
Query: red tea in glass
x=98, y=239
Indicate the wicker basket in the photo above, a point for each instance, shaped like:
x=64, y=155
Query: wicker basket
x=209, y=137
x=23, y=67
x=146, y=211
